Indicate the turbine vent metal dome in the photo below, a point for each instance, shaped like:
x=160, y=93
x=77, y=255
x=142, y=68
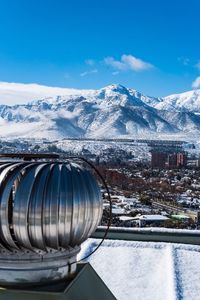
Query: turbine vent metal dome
x=47, y=209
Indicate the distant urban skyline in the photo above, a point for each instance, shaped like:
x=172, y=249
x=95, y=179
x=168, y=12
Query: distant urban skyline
x=150, y=46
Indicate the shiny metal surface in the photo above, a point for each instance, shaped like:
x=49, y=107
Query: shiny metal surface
x=46, y=208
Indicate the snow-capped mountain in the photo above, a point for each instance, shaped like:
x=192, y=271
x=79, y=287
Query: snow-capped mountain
x=188, y=101
x=185, y=101
x=111, y=112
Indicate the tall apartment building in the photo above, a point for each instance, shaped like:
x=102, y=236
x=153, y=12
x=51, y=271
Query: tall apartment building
x=168, y=160
x=158, y=159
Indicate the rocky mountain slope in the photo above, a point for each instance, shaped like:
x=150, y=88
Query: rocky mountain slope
x=111, y=112
x=188, y=101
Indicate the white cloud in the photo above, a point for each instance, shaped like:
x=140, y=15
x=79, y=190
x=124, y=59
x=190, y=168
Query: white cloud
x=62, y=113
x=90, y=62
x=128, y=62
x=18, y=93
x=88, y=72
x=135, y=64
x=196, y=83
x=116, y=64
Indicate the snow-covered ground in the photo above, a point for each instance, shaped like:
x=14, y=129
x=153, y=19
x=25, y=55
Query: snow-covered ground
x=139, y=150
x=147, y=270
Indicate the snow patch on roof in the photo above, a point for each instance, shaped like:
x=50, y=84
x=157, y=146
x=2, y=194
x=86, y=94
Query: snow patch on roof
x=147, y=270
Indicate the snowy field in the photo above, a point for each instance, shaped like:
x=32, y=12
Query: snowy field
x=147, y=270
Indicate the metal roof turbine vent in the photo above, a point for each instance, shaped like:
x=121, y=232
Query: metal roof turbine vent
x=47, y=209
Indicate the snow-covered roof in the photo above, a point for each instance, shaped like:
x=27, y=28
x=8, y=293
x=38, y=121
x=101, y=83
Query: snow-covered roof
x=152, y=217
x=117, y=210
x=126, y=218
x=147, y=270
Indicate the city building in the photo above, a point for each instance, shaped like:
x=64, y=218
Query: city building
x=158, y=159
x=181, y=159
x=163, y=160
x=144, y=220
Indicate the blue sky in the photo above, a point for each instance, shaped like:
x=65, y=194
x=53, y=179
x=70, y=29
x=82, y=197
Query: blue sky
x=152, y=46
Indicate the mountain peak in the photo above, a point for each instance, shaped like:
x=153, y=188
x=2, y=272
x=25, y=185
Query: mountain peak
x=117, y=88
x=113, y=91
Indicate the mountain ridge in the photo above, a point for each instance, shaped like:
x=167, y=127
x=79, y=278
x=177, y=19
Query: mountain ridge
x=113, y=111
